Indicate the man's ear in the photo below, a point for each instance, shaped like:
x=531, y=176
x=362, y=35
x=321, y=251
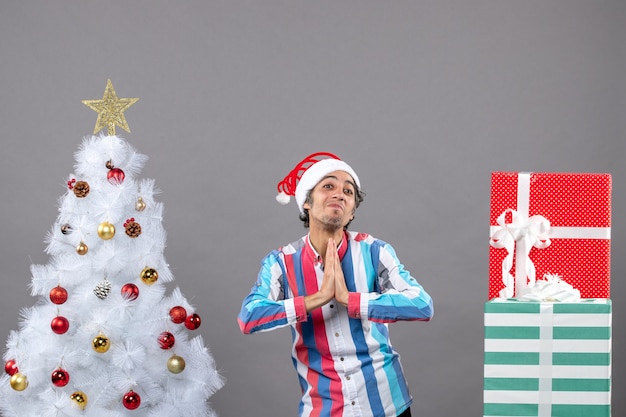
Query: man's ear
x=306, y=205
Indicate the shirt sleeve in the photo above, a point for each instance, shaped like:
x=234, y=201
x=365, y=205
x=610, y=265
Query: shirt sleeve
x=266, y=308
x=399, y=296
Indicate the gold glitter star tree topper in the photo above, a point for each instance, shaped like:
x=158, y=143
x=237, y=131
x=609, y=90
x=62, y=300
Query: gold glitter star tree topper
x=110, y=110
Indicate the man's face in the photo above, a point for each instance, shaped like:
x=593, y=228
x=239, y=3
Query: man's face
x=332, y=201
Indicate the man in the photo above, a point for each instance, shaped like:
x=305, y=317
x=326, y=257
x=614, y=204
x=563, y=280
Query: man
x=337, y=290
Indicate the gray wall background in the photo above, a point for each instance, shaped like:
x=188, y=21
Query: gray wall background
x=424, y=99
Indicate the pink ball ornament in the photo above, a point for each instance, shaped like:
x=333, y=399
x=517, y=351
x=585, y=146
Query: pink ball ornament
x=193, y=322
x=116, y=176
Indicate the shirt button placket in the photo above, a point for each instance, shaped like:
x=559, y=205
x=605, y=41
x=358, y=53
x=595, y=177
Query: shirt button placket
x=350, y=386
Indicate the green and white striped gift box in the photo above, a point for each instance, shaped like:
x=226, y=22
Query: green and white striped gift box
x=545, y=359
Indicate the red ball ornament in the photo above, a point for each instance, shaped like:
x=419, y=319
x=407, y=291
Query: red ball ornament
x=130, y=291
x=131, y=400
x=178, y=314
x=60, y=378
x=116, y=176
x=60, y=325
x=10, y=367
x=58, y=295
x=193, y=322
x=166, y=340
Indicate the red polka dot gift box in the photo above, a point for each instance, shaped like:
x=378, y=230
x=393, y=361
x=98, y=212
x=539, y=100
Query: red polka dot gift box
x=550, y=223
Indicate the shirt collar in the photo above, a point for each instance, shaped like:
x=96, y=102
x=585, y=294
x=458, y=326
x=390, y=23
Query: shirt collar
x=341, y=250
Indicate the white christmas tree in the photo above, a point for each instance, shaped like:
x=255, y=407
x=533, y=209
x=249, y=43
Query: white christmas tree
x=105, y=338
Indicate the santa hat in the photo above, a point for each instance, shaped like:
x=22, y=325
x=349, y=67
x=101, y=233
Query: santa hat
x=307, y=174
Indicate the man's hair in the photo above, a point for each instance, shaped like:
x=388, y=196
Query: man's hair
x=359, y=196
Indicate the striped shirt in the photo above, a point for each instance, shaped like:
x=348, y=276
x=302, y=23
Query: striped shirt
x=343, y=355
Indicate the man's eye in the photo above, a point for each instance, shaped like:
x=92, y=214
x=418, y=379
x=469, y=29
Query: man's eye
x=348, y=191
x=328, y=186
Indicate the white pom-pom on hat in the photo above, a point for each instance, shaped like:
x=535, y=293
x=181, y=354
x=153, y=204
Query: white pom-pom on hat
x=282, y=198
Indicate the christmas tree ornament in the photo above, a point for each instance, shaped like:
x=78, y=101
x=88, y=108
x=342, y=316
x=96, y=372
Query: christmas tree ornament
x=140, y=205
x=101, y=343
x=149, y=275
x=178, y=314
x=133, y=229
x=58, y=295
x=131, y=400
x=166, y=340
x=60, y=325
x=130, y=291
x=10, y=367
x=115, y=176
x=175, y=364
x=81, y=189
x=193, y=321
x=66, y=229
x=70, y=183
x=18, y=382
x=80, y=399
x=60, y=377
x=82, y=248
x=110, y=110
x=103, y=289
x=106, y=231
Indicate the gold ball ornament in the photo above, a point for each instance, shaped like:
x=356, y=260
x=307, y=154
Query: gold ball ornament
x=80, y=399
x=149, y=275
x=82, y=248
x=140, y=205
x=19, y=382
x=175, y=364
x=101, y=343
x=106, y=231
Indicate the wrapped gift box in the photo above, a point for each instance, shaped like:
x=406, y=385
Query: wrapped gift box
x=550, y=223
x=546, y=359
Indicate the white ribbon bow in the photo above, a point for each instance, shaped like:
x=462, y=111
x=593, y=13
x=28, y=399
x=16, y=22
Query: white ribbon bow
x=526, y=233
x=550, y=288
